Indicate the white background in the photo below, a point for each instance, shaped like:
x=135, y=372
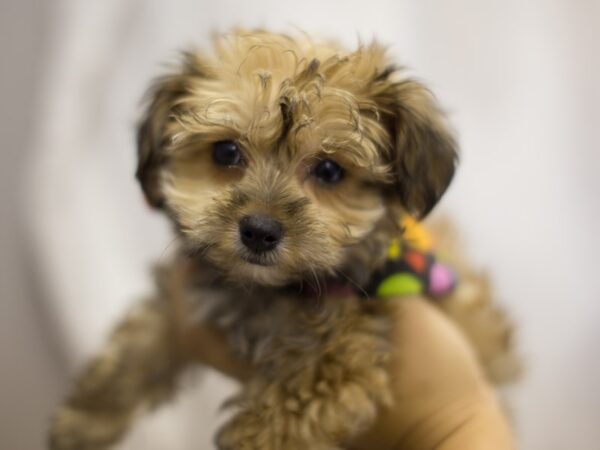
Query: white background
x=520, y=83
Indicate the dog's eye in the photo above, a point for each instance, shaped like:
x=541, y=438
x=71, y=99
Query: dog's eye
x=328, y=171
x=227, y=153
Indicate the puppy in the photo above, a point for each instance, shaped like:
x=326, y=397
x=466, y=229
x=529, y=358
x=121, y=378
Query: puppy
x=287, y=167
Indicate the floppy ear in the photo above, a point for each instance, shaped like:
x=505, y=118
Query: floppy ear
x=152, y=138
x=424, y=152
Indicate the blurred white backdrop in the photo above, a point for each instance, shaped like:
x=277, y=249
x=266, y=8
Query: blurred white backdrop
x=520, y=83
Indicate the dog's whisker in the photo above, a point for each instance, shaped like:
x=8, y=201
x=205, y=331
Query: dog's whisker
x=166, y=249
x=317, y=282
x=354, y=283
x=200, y=251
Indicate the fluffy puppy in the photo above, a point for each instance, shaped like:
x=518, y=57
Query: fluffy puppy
x=286, y=167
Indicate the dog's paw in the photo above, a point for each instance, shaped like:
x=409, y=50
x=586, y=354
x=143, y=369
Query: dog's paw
x=254, y=431
x=244, y=432
x=72, y=429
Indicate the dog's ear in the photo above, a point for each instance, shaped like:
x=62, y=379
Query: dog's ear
x=424, y=152
x=162, y=107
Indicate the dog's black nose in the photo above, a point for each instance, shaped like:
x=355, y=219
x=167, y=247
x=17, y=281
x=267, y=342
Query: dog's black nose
x=260, y=233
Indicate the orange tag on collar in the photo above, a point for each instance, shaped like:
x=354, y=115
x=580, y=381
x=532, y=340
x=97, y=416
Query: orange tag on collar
x=416, y=235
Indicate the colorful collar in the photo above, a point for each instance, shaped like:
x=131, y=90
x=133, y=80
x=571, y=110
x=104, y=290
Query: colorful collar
x=412, y=267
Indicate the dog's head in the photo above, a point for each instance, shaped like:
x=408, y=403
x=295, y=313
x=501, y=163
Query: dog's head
x=279, y=158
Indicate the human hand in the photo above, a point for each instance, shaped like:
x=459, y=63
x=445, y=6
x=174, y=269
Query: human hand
x=442, y=399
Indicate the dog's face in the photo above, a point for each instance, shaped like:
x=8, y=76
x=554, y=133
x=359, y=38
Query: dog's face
x=280, y=159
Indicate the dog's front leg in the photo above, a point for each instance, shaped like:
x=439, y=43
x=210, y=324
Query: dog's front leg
x=319, y=397
x=137, y=367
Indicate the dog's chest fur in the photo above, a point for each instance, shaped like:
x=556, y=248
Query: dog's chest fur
x=276, y=330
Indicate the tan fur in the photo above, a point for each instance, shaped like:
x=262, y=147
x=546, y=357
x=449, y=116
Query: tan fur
x=319, y=360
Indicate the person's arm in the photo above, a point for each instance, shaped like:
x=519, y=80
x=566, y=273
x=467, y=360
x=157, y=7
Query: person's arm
x=442, y=400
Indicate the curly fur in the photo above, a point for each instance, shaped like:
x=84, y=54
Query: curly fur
x=320, y=361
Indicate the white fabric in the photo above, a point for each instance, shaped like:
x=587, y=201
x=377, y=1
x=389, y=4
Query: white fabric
x=519, y=81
